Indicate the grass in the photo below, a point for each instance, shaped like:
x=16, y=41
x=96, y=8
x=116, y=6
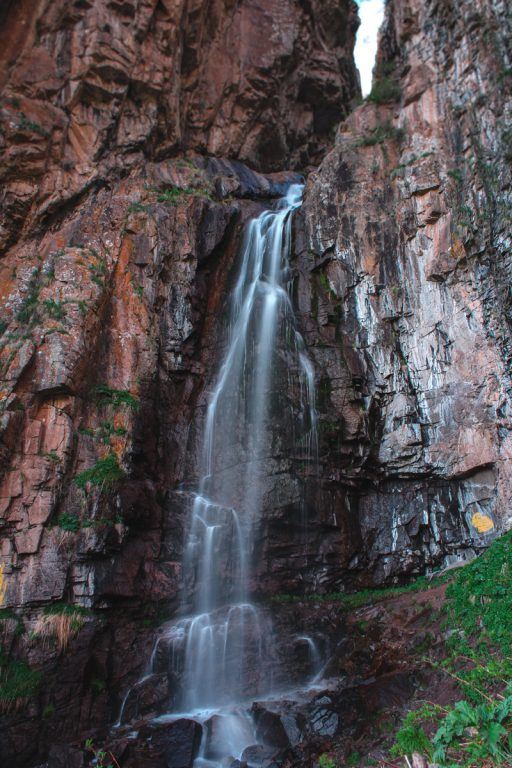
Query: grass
x=105, y=395
x=176, y=195
x=54, y=309
x=60, y=621
x=69, y=522
x=28, y=311
x=379, y=135
x=104, y=474
x=18, y=683
x=476, y=730
x=369, y=596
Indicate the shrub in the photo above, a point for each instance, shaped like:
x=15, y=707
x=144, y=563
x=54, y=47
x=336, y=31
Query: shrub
x=106, y=395
x=326, y=761
x=380, y=134
x=27, y=312
x=105, y=473
x=69, y=522
x=385, y=90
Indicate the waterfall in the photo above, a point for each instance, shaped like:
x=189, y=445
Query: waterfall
x=222, y=652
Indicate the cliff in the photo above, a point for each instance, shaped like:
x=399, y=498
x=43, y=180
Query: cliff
x=137, y=138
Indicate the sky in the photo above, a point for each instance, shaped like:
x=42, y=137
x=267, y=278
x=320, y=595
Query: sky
x=371, y=13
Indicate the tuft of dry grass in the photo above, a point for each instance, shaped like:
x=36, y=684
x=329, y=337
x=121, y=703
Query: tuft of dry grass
x=61, y=626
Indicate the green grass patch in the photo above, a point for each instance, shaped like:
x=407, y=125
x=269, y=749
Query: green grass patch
x=477, y=730
x=105, y=395
x=176, y=195
x=379, y=135
x=18, y=682
x=369, y=596
x=69, y=522
x=54, y=309
x=104, y=474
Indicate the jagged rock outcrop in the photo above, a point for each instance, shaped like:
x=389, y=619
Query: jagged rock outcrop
x=91, y=89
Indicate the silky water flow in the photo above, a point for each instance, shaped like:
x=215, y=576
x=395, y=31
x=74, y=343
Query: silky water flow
x=222, y=652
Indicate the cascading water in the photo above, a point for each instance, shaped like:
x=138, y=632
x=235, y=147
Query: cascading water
x=222, y=653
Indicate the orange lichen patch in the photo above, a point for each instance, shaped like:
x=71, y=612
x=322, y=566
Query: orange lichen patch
x=482, y=523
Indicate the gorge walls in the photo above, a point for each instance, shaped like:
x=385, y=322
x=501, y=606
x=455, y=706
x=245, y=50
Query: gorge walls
x=137, y=138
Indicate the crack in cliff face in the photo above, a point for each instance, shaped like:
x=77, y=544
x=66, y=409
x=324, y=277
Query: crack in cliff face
x=115, y=272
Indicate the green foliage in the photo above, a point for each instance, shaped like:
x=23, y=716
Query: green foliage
x=480, y=599
x=107, y=430
x=379, y=135
x=55, y=309
x=326, y=761
x=476, y=731
x=385, y=90
x=48, y=711
x=30, y=125
x=106, y=395
x=176, y=195
x=411, y=736
x=353, y=759
x=27, y=312
x=368, y=596
x=457, y=175
x=104, y=474
x=65, y=609
x=472, y=734
x=98, y=686
x=102, y=759
x=69, y=522
x=17, y=681
x=98, y=269
x=7, y=614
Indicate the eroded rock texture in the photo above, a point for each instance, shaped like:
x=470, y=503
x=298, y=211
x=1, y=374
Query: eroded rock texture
x=405, y=292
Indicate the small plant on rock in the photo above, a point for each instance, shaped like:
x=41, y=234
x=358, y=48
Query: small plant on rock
x=104, y=474
x=18, y=683
x=61, y=621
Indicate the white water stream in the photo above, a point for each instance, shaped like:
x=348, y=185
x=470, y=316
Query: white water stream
x=223, y=651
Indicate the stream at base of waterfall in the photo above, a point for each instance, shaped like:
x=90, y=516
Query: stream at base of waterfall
x=222, y=654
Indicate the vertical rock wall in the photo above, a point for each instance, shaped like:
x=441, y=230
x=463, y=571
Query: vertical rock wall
x=404, y=285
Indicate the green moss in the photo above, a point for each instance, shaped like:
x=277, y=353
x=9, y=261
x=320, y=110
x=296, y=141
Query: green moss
x=104, y=474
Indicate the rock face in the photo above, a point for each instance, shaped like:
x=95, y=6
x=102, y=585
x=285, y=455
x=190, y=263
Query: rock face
x=90, y=89
x=403, y=284
x=135, y=136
